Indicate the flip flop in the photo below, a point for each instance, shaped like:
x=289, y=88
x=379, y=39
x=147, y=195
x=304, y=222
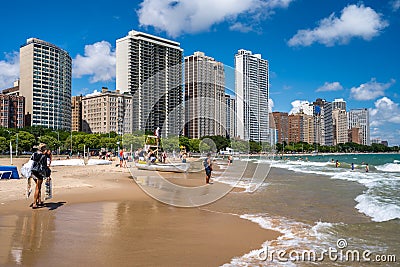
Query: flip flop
x=34, y=206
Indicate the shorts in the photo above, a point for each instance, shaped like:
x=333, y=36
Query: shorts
x=36, y=175
x=208, y=171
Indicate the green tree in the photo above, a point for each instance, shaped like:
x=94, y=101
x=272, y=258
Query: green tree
x=240, y=146
x=26, y=141
x=3, y=144
x=51, y=142
x=255, y=147
x=170, y=143
x=194, y=145
x=184, y=142
x=129, y=140
x=221, y=142
x=91, y=141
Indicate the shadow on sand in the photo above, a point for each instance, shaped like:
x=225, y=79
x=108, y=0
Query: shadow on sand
x=54, y=205
x=51, y=205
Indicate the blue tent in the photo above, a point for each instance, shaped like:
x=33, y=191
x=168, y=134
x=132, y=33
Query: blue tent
x=9, y=172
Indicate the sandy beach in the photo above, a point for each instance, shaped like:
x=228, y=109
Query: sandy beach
x=99, y=215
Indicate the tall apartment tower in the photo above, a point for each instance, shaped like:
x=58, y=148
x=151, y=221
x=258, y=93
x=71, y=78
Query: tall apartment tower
x=205, y=111
x=252, y=93
x=230, y=115
x=359, y=118
x=282, y=126
x=323, y=126
x=107, y=111
x=76, y=117
x=150, y=68
x=340, y=127
x=45, y=82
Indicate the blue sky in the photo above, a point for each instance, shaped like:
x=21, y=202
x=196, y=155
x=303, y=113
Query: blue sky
x=326, y=49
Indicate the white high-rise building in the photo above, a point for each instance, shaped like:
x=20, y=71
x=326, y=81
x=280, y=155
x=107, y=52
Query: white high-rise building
x=252, y=93
x=45, y=82
x=230, y=115
x=150, y=68
x=205, y=112
x=359, y=118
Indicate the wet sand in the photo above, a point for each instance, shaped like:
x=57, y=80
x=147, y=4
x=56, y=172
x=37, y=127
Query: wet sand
x=98, y=215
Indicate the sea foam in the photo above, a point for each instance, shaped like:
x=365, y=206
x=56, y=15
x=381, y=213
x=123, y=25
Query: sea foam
x=389, y=167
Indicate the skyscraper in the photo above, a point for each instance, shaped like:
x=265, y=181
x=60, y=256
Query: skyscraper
x=230, y=115
x=205, y=111
x=150, y=68
x=340, y=129
x=76, y=115
x=252, y=93
x=359, y=118
x=323, y=127
x=282, y=126
x=45, y=82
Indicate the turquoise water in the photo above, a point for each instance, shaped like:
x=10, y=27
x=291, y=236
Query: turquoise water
x=314, y=204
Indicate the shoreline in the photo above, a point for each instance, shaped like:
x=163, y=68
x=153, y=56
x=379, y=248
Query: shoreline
x=102, y=185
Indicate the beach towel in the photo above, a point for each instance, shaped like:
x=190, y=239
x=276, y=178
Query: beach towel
x=26, y=169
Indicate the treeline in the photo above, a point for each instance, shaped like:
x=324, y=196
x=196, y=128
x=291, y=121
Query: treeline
x=24, y=139
x=64, y=141
x=340, y=148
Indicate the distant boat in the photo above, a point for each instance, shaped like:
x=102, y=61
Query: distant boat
x=164, y=167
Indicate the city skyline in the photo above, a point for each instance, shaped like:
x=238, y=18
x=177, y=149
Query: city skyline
x=339, y=50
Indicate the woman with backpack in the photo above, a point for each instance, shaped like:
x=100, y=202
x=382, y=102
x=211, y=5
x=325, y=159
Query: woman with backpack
x=39, y=172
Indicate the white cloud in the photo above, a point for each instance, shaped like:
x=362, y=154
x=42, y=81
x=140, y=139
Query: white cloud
x=297, y=106
x=271, y=104
x=190, y=16
x=385, y=120
x=385, y=111
x=370, y=90
x=98, y=62
x=95, y=92
x=395, y=5
x=9, y=69
x=327, y=87
x=355, y=21
x=240, y=27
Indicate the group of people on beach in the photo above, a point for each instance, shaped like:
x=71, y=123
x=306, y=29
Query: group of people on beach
x=40, y=171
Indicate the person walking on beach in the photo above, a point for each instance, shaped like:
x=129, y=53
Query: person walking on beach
x=39, y=171
x=121, y=158
x=208, y=167
x=230, y=160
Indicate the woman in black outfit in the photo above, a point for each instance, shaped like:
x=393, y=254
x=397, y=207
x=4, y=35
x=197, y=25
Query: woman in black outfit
x=38, y=173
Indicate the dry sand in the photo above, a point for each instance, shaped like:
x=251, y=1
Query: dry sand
x=99, y=216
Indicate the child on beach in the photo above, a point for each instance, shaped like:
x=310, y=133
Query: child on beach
x=208, y=167
x=230, y=160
